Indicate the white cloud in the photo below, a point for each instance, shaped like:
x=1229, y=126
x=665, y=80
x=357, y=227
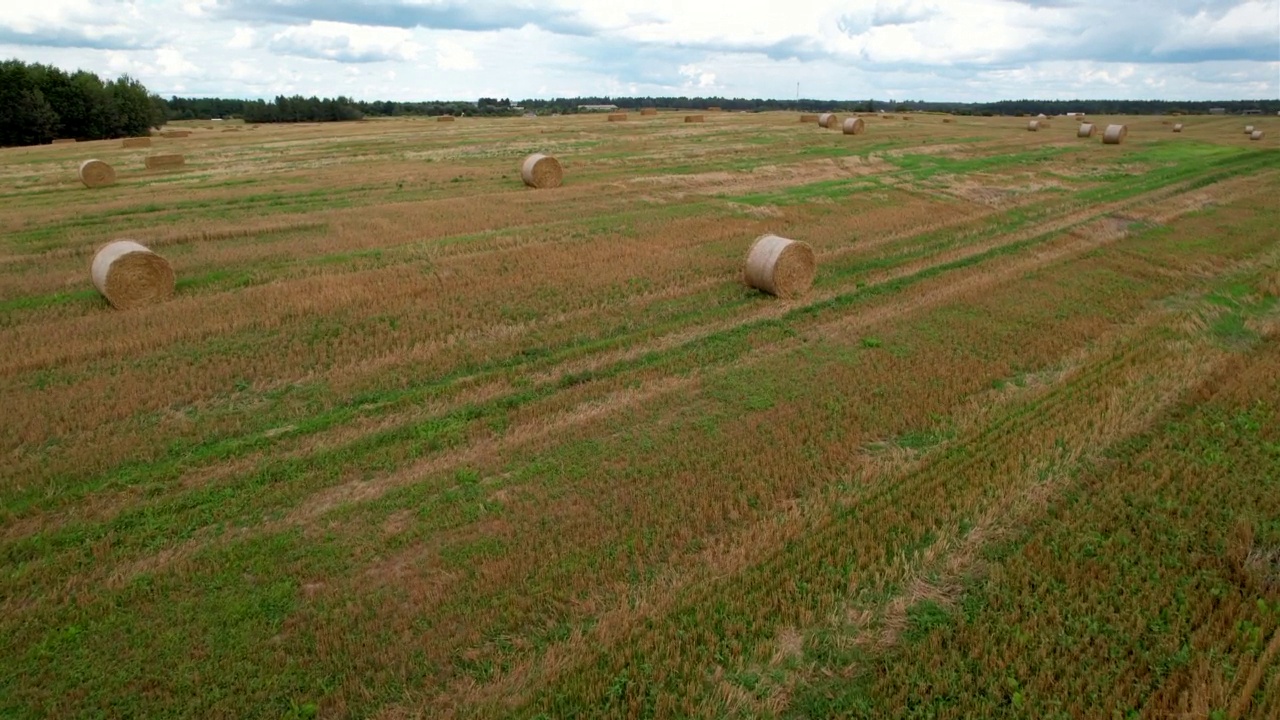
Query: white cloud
x=345, y=43
x=243, y=38
x=451, y=55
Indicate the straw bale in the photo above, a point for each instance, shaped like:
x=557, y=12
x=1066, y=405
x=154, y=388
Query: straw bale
x=617, y=117
x=1033, y=126
x=541, y=172
x=853, y=126
x=1177, y=127
x=780, y=266
x=809, y=118
x=158, y=162
x=648, y=111
x=95, y=173
x=1248, y=129
x=136, y=142
x=129, y=275
x=1086, y=130
x=830, y=121
x=1256, y=135
x=1115, y=134
x=694, y=118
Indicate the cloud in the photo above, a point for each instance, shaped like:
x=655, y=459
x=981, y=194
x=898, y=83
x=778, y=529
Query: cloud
x=243, y=38
x=432, y=14
x=345, y=43
x=77, y=24
x=451, y=55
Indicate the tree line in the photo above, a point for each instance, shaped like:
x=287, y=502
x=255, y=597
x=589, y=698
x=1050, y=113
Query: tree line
x=39, y=103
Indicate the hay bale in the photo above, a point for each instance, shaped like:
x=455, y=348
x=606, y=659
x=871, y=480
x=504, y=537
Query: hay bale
x=1115, y=134
x=175, y=133
x=1033, y=126
x=64, y=141
x=158, y=162
x=809, y=118
x=1248, y=130
x=830, y=121
x=1256, y=135
x=853, y=126
x=780, y=266
x=648, y=111
x=445, y=118
x=136, y=142
x=129, y=275
x=95, y=173
x=1086, y=130
x=541, y=171
x=694, y=118
x=906, y=117
x=1177, y=127
x=617, y=117
x=948, y=120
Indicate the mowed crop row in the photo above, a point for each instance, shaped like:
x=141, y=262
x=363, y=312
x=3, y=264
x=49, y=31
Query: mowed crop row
x=444, y=470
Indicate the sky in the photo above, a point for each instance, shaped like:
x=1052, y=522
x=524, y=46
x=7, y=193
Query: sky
x=938, y=50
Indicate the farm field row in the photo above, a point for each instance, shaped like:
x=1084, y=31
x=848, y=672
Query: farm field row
x=413, y=440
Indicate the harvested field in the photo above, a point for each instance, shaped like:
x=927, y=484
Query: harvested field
x=411, y=440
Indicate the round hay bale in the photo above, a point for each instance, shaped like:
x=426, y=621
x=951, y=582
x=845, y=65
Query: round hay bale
x=809, y=118
x=1042, y=116
x=541, y=171
x=853, y=126
x=1248, y=129
x=129, y=275
x=1033, y=126
x=648, y=111
x=1177, y=127
x=1086, y=130
x=95, y=173
x=1256, y=135
x=1115, y=134
x=830, y=121
x=617, y=117
x=694, y=118
x=780, y=266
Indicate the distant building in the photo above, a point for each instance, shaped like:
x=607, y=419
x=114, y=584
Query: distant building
x=597, y=108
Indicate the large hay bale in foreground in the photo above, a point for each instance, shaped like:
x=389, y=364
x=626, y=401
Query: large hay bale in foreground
x=1256, y=135
x=617, y=117
x=809, y=118
x=1115, y=134
x=541, y=171
x=136, y=142
x=128, y=275
x=829, y=121
x=95, y=173
x=160, y=162
x=64, y=141
x=648, y=111
x=780, y=266
x=1177, y=127
x=853, y=126
x=694, y=118
x=1086, y=130
x=445, y=118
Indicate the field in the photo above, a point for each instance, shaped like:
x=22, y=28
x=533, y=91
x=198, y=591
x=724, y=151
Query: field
x=412, y=440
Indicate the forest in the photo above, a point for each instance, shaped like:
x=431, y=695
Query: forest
x=39, y=103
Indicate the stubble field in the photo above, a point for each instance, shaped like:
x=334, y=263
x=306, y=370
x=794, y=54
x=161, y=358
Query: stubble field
x=412, y=440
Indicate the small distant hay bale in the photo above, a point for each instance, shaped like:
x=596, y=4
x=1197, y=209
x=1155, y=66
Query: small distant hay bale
x=1086, y=130
x=948, y=120
x=694, y=118
x=617, y=117
x=829, y=121
x=1256, y=135
x=1042, y=116
x=445, y=118
x=136, y=142
x=129, y=275
x=1248, y=130
x=1115, y=134
x=160, y=162
x=541, y=171
x=64, y=141
x=809, y=118
x=906, y=117
x=853, y=126
x=175, y=133
x=780, y=266
x=1033, y=126
x=648, y=111
x=1177, y=127
x=95, y=173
